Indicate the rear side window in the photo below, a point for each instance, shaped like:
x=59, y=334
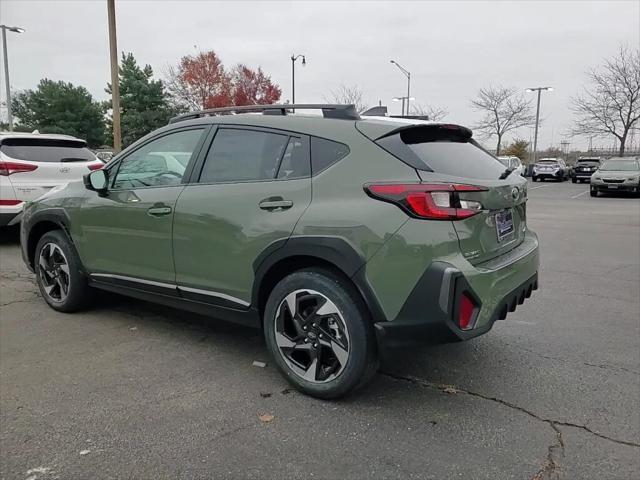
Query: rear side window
x=325, y=153
x=444, y=149
x=243, y=155
x=42, y=150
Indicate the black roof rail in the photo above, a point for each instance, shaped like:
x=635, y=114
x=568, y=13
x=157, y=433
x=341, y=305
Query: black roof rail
x=343, y=112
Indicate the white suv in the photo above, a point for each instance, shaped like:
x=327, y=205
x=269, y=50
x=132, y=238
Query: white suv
x=32, y=164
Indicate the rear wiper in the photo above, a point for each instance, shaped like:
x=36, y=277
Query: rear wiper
x=506, y=173
x=73, y=159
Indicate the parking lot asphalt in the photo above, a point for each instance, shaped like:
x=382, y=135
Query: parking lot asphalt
x=132, y=390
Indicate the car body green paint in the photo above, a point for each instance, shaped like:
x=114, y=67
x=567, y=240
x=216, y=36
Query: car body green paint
x=216, y=231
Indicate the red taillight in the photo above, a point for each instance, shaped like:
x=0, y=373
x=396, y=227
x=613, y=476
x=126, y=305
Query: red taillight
x=10, y=203
x=467, y=307
x=9, y=168
x=95, y=166
x=436, y=201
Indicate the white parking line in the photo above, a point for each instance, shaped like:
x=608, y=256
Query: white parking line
x=539, y=186
x=580, y=194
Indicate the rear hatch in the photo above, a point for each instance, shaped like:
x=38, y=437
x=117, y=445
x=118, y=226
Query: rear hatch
x=446, y=154
x=35, y=165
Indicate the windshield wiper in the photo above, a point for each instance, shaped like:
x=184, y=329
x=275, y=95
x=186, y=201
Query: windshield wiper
x=506, y=173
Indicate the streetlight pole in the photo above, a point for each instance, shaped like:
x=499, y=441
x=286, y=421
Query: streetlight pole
x=6, y=69
x=535, y=135
x=115, y=78
x=293, y=75
x=408, y=75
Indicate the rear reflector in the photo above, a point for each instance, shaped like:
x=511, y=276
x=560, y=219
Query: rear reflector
x=95, y=166
x=437, y=201
x=467, y=306
x=10, y=203
x=9, y=168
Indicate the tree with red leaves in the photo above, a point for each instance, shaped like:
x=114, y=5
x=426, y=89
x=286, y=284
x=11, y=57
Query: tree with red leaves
x=201, y=81
x=252, y=87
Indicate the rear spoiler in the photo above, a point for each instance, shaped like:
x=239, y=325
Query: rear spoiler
x=430, y=133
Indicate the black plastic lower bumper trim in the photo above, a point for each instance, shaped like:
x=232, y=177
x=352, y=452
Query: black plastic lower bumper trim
x=424, y=321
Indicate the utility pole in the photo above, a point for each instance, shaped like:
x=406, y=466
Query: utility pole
x=115, y=78
x=6, y=69
x=535, y=136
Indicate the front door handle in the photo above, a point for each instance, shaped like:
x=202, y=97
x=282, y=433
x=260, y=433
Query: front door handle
x=275, y=203
x=159, y=211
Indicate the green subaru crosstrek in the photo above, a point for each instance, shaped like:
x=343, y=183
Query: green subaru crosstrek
x=337, y=235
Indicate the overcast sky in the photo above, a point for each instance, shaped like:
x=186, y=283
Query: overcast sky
x=451, y=48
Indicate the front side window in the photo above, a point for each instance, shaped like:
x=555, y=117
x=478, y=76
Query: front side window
x=239, y=155
x=161, y=162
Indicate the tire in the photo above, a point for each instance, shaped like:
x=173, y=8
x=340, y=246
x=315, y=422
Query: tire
x=534, y=179
x=294, y=343
x=574, y=180
x=593, y=192
x=56, y=263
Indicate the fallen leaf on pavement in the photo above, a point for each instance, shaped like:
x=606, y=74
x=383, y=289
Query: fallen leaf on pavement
x=265, y=417
x=450, y=389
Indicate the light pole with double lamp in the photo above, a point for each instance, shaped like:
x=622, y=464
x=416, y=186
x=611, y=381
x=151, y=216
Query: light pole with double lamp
x=535, y=135
x=408, y=75
x=6, y=69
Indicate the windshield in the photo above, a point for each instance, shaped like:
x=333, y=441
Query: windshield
x=621, y=166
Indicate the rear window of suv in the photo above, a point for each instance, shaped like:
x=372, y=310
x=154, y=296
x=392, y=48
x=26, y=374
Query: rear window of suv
x=46, y=150
x=445, y=149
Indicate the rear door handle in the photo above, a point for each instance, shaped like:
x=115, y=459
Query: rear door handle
x=159, y=211
x=275, y=203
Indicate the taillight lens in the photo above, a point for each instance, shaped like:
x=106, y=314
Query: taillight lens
x=10, y=203
x=9, y=168
x=95, y=166
x=467, y=307
x=435, y=201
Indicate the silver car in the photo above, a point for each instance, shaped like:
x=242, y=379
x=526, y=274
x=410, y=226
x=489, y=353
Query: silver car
x=621, y=174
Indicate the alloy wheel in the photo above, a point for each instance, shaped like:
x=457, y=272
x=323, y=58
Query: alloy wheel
x=53, y=271
x=312, y=336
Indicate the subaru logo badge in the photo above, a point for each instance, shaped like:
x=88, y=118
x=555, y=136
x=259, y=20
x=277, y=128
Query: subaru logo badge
x=515, y=193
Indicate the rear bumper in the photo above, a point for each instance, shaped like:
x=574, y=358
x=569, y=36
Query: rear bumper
x=429, y=316
x=556, y=175
x=10, y=215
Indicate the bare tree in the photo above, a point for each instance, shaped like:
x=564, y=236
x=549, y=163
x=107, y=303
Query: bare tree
x=350, y=95
x=504, y=110
x=435, y=114
x=611, y=104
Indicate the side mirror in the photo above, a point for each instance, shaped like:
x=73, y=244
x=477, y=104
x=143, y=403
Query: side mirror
x=98, y=181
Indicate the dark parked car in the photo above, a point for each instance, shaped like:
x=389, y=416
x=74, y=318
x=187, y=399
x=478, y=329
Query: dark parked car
x=584, y=168
x=553, y=168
